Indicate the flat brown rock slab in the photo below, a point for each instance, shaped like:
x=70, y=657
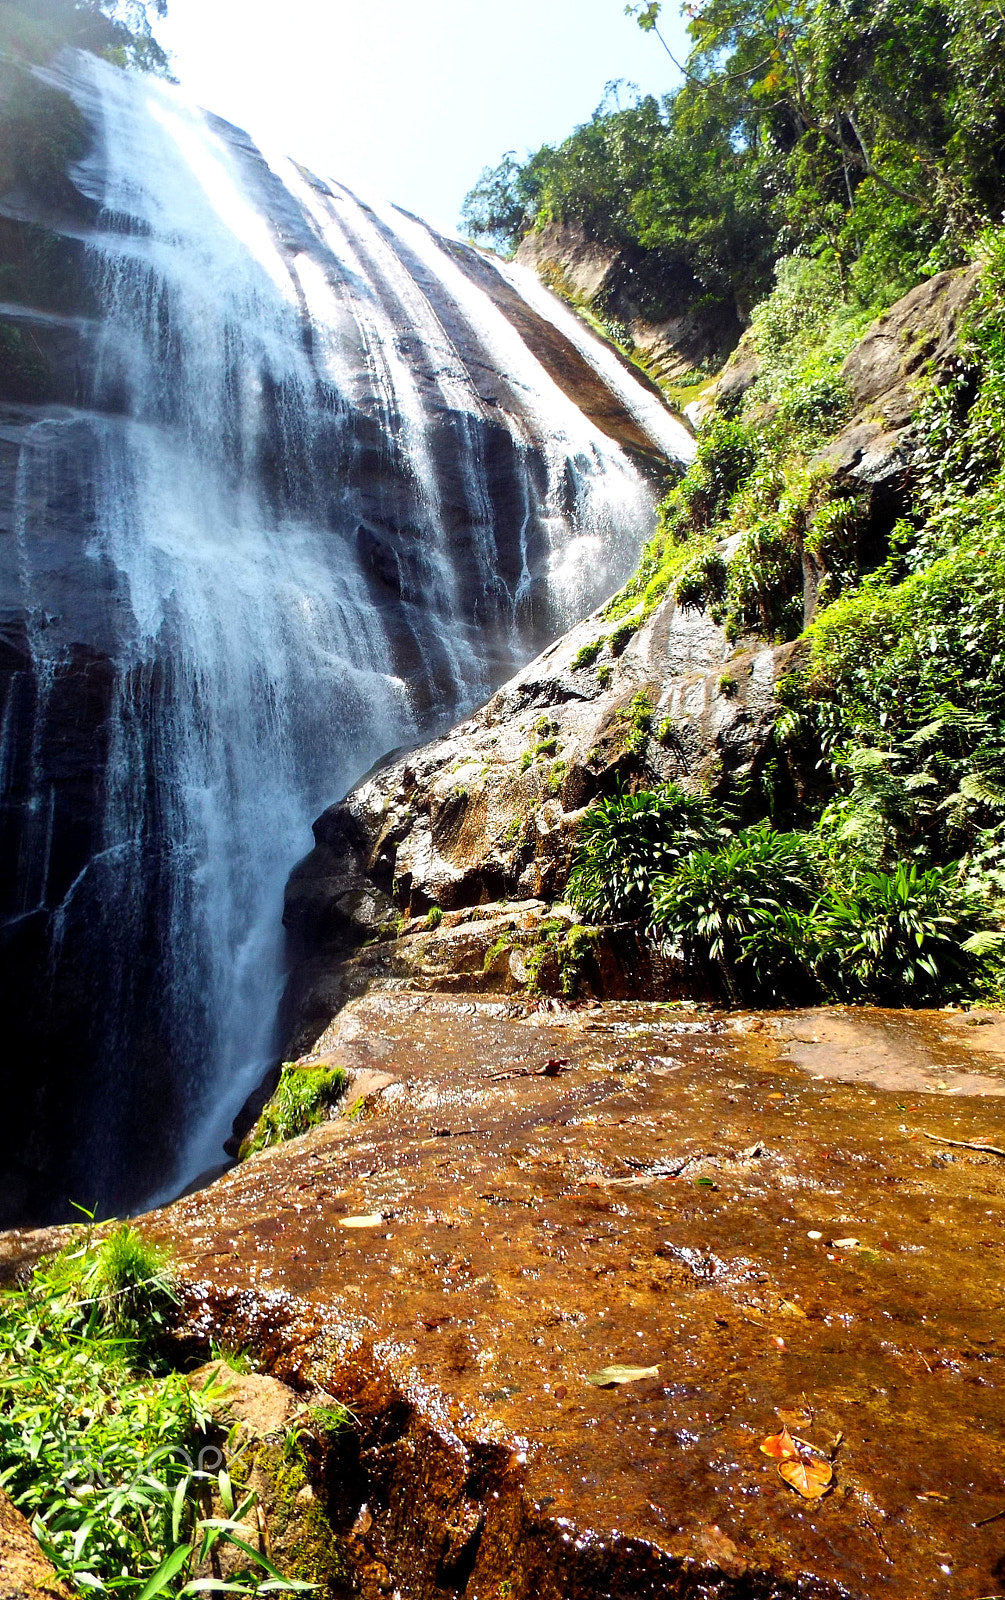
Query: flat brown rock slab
x=544, y=1192
x=901, y=1050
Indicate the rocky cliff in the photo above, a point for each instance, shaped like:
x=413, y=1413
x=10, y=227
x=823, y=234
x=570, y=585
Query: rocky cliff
x=665, y=314
x=482, y=824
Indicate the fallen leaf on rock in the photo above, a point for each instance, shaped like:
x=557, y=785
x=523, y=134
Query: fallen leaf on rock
x=608, y=1376
x=844, y=1244
x=780, y=1446
x=789, y=1308
x=810, y=1476
x=722, y=1550
x=372, y=1221
x=561, y=1391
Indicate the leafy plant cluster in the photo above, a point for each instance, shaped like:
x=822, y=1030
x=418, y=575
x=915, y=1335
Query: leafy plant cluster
x=753, y=487
x=763, y=913
x=108, y=1453
x=877, y=866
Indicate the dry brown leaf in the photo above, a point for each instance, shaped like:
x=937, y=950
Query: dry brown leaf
x=788, y=1308
x=607, y=1377
x=780, y=1446
x=810, y=1476
x=372, y=1220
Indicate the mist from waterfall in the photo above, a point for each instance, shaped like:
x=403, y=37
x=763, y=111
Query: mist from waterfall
x=319, y=532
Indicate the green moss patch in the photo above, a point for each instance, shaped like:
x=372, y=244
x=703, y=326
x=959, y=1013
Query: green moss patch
x=303, y=1098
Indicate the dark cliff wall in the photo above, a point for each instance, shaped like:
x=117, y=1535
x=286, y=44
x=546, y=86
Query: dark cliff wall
x=275, y=494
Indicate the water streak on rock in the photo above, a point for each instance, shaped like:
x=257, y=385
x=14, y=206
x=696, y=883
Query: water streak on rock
x=315, y=494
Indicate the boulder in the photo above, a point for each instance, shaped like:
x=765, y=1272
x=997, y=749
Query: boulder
x=916, y=338
x=481, y=825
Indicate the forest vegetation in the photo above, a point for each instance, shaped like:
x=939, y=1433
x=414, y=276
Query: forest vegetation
x=119, y=30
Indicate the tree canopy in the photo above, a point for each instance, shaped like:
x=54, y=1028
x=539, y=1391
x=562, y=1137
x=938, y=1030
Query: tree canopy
x=867, y=132
x=122, y=30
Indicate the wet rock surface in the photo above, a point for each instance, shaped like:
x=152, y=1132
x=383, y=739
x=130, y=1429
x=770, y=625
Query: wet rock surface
x=538, y=1192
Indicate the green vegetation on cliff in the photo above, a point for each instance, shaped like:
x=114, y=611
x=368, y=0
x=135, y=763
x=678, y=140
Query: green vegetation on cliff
x=871, y=860
x=119, y=30
x=871, y=138
x=302, y=1098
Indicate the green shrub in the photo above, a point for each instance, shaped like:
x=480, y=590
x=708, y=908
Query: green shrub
x=896, y=936
x=723, y=457
x=434, y=916
x=625, y=841
x=604, y=674
x=134, y=1282
x=622, y=634
x=556, y=777
x=765, y=583
x=639, y=716
x=302, y=1099
x=717, y=899
x=99, y=1446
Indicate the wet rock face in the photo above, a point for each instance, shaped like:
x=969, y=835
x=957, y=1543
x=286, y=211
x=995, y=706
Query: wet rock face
x=25, y=1573
x=917, y=336
x=404, y=483
x=661, y=303
x=750, y=1205
x=491, y=812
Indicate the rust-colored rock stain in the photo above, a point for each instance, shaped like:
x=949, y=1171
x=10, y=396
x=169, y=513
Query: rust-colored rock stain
x=669, y=1192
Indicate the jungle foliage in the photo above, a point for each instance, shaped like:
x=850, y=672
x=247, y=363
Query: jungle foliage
x=868, y=137
x=867, y=856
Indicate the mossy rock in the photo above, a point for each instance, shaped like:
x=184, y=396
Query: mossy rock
x=303, y=1098
x=41, y=133
x=304, y=1544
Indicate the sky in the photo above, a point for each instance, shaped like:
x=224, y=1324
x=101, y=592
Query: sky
x=410, y=99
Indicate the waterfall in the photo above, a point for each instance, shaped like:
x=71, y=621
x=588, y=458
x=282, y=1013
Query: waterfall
x=317, y=496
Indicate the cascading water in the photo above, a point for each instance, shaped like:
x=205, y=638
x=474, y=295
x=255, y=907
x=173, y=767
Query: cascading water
x=316, y=495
